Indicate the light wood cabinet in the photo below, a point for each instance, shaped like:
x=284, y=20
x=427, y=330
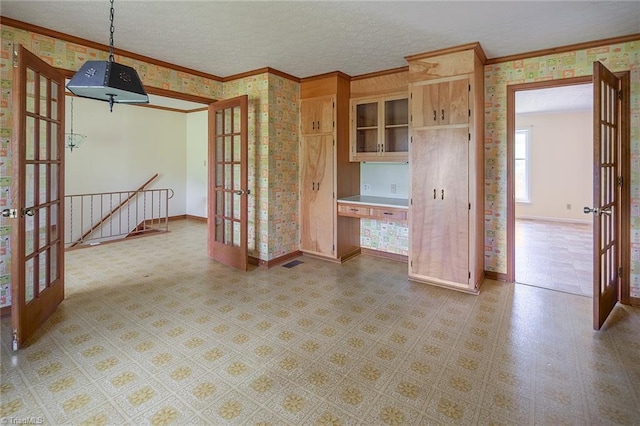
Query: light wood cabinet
x=325, y=172
x=316, y=194
x=440, y=104
x=380, y=129
x=316, y=115
x=446, y=223
x=440, y=212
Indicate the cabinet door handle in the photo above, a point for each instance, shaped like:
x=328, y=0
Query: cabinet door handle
x=354, y=210
x=313, y=125
x=389, y=214
x=434, y=193
x=318, y=124
x=318, y=187
x=443, y=114
x=313, y=186
x=435, y=117
x=443, y=194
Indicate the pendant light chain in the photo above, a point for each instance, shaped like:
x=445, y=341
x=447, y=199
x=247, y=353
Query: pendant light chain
x=111, y=31
x=71, y=116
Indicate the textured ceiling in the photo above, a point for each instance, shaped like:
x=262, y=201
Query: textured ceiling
x=566, y=98
x=306, y=38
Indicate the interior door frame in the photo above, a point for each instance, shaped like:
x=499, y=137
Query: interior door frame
x=624, y=163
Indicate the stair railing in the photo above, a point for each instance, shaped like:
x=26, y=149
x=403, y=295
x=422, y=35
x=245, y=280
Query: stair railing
x=99, y=217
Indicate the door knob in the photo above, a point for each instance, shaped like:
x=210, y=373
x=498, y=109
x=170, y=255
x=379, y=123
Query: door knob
x=240, y=192
x=10, y=213
x=595, y=210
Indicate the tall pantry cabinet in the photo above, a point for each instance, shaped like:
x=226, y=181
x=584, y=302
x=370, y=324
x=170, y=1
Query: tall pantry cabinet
x=446, y=224
x=325, y=172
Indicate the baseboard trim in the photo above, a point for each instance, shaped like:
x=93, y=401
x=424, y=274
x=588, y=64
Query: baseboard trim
x=385, y=255
x=496, y=276
x=555, y=219
x=187, y=216
x=274, y=262
x=355, y=252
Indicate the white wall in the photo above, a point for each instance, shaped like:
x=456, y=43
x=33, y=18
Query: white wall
x=561, y=165
x=380, y=177
x=197, y=163
x=124, y=148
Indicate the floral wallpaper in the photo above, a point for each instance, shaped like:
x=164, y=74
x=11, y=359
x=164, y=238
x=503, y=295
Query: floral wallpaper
x=284, y=97
x=617, y=57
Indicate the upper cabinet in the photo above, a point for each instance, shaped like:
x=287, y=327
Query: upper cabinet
x=316, y=115
x=440, y=104
x=380, y=128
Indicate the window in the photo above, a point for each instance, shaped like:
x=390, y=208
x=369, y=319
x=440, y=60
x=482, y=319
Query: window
x=522, y=166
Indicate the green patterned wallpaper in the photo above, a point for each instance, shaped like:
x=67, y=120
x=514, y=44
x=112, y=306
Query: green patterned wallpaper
x=617, y=57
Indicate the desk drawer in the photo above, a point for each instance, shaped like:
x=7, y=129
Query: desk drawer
x=388, y=213
x=353, y=210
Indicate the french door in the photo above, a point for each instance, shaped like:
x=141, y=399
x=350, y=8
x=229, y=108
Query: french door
x=37, y=194
x=228, y=192
x=606, y=193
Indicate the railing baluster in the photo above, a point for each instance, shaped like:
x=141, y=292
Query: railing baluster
x=151, y=210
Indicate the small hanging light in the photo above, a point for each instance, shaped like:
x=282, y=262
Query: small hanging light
x=73, y=140
x=107, y=80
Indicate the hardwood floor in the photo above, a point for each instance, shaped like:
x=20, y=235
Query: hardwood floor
x=555, y=255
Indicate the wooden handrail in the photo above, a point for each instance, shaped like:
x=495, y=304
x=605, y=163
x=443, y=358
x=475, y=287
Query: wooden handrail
x=113, y=211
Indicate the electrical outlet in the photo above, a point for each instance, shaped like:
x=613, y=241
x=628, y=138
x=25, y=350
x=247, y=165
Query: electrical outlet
x=394, y=188
x=366, y=187
x=568, y=206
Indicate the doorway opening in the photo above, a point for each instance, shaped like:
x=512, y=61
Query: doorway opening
x=553, y=181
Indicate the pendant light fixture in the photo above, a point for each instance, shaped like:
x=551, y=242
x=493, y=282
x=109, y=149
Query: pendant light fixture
x=73, y=140
x=107, y=80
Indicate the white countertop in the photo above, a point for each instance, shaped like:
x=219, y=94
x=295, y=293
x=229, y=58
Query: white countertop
x=376, y=201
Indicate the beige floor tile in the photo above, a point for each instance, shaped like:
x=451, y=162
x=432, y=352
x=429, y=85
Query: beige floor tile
x=154, y=331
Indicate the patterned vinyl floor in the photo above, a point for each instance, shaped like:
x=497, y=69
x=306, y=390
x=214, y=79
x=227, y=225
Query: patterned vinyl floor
x=154, y=332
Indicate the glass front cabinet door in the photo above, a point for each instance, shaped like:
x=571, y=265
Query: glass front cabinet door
x=380, y=129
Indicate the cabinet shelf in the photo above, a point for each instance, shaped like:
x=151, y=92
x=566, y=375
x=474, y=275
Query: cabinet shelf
x=380, y=129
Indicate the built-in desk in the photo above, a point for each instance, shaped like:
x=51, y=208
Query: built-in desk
x=370, y=207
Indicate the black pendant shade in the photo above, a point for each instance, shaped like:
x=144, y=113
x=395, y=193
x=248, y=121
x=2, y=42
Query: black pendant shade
x=108, y=81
